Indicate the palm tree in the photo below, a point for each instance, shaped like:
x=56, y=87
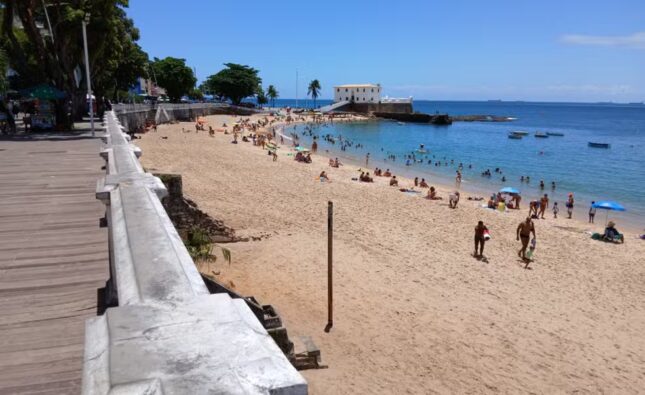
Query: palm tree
x=272, y=94
x=314, y=90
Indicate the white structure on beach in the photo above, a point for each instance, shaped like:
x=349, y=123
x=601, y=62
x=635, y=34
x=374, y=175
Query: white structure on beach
x=358, y=93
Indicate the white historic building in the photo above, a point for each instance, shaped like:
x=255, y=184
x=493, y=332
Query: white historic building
x=358, y=93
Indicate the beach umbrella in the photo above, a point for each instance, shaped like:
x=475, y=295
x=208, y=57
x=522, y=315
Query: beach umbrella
x=608, y=205
x=510, y=190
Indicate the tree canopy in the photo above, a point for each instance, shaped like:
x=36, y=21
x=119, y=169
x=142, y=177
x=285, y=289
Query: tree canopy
x=174, y=76
x=272, y=94
x=314, y=90
x=235, y=82
x=56, y=57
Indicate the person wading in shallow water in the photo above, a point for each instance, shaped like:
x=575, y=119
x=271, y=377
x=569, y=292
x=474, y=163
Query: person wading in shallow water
x=524, y=231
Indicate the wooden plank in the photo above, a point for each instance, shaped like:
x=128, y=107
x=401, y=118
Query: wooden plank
x=53, y=258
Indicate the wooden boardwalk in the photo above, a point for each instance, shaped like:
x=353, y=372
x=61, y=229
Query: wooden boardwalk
x=53, y=258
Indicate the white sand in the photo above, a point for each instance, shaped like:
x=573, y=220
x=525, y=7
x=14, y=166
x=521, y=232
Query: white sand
x=414, y=311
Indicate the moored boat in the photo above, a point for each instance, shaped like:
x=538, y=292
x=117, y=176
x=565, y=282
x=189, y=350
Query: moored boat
x=554, y=134
x=520, y=133
x=515, y=136
x=541, y=135
x=599, y=145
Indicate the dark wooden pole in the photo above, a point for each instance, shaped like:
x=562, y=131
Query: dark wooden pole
x=330, y=249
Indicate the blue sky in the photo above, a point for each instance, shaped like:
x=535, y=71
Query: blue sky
x=573, y=50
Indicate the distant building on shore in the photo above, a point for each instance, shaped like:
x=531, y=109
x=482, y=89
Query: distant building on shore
x=358, y=93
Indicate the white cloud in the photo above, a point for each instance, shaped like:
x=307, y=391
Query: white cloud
x=636, y=40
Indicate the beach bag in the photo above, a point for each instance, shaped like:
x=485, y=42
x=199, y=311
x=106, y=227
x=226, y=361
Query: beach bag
x=486, y=235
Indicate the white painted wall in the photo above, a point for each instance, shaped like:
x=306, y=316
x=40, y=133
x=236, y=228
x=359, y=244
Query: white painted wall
x=358, y=94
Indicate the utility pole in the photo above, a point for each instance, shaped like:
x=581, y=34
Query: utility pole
x=86, y=20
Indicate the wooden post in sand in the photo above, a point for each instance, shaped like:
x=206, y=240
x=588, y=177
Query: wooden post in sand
x=330, y=249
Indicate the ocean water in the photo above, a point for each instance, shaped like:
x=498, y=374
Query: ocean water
x=616, y=174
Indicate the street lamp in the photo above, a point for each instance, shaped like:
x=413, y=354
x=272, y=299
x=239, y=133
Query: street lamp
x=86, y=20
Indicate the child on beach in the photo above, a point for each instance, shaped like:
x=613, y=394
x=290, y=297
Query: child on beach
x=592, y=212
x=555, y=210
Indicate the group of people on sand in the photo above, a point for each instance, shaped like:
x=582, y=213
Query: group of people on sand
x=523, y=234
x=301, y=157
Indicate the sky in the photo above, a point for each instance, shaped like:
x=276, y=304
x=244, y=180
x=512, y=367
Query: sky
x=546, y=50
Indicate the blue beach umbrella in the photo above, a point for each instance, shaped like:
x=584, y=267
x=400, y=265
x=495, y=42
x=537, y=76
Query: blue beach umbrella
x=510, y=190
x=608, y=205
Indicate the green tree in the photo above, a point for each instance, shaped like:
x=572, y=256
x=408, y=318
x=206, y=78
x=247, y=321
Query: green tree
x=235, y=82
x=4, y=66
x=174, y=76
x=261, y=96
x=272, y=94
x=115, y=58
x=314, y=90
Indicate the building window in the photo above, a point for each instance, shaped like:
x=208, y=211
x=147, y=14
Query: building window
x=345, y=89
x=337, y=89
x=363, y=89
x=372, y=90
x=346, y=98
x=363, y=99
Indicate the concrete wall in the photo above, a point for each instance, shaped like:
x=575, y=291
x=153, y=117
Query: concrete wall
x=166, y=333
x=366, y=108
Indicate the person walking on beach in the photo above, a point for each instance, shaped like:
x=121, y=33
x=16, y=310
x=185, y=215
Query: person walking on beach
x=367, y=159
x=592, y=212
x=570, y=205
x=556, y=210
x=544, y=204
x=480, y=231
x=523, y=232
x=453, y=199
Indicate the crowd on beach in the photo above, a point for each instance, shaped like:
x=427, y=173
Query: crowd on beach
x=266, y=131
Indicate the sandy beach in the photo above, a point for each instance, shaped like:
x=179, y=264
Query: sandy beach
x=415, y=312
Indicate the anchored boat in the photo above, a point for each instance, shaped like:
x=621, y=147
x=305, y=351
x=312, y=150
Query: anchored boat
x=520, y=133
x=599, y=145
x=554, y=134
x=541, y=135
x=514, y=136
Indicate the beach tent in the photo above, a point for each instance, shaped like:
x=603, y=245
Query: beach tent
x=608, y=205
x=510, y=190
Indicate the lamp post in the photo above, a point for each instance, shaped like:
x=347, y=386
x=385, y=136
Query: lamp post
x=86, y=20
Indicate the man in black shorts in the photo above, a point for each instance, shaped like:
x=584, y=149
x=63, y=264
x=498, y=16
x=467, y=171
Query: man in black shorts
x=524, y=231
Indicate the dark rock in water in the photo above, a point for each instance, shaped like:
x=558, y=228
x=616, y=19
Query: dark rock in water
x=481, y=118
x=416, y=117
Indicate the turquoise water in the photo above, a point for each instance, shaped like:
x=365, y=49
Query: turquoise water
x=617, y=173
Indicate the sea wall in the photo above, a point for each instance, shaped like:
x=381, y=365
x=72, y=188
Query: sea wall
x=134, y=117
x=165, y=332
x=367, y=108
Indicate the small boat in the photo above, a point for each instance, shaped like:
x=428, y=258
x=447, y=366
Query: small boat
x=541, y=135
x=555, y=134
x=401, y=123
x=515, y=136
x=520, y=133
x=599, y=145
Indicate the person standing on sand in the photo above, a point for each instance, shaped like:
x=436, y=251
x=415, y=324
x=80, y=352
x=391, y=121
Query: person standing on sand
x=570, y=205
x=314, y=147
x=524, y=231
x=592, y=212
x=480, y=230
x=556, y=210
x=544, y=204
x=453, y=199
x=367, y=159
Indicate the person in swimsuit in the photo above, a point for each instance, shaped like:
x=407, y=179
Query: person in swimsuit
x=544, y=204
x=480, y=229
x=592, y=212
x=524, y=231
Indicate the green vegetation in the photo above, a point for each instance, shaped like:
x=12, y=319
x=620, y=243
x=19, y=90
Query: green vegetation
x=314, y=90
x=174, y=76
x=261, y=96
x=116, y=59
x=235, y=82
x=200, y=247
x=272, y=94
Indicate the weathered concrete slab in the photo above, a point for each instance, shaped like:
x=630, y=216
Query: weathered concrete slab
x=168, y=334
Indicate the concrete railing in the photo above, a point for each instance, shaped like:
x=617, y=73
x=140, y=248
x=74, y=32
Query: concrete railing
x=166, y=333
